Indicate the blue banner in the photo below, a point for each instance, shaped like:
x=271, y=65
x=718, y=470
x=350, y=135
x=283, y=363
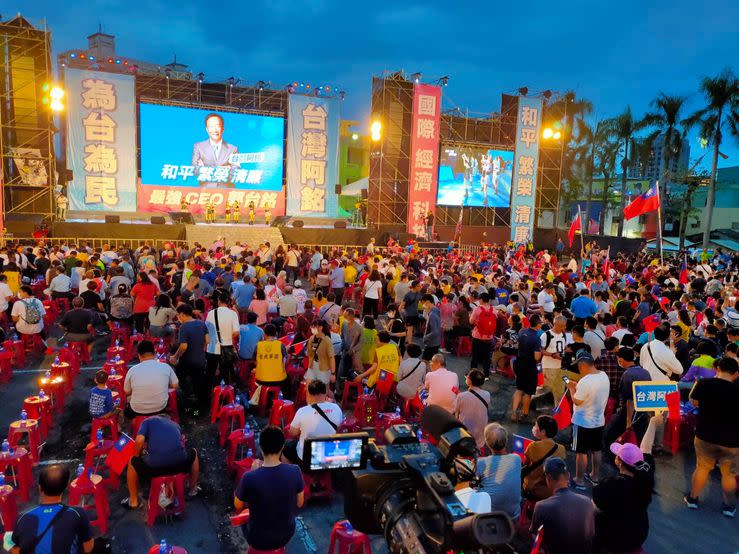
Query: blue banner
x=101, y=141
x=312, y=156
x=528, y=127
x=650, y=395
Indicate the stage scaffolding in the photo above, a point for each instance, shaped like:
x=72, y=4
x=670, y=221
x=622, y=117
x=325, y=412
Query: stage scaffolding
x=26, y=124
x=551, y=155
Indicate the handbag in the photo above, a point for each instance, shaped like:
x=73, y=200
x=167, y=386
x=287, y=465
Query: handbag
x=228, y=352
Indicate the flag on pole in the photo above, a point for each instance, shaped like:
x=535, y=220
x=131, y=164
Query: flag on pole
x=652, y=322
x=607, y=266
x=646, y=202
x=520, y=444
x=121, y=453
x=562, y=414
x=684, y=270
x=574, y=227
x=536, y=549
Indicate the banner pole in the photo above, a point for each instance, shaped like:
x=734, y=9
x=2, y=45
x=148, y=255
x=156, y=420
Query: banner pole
x=659, y=226
x=582, y=232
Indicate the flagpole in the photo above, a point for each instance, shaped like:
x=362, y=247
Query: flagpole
x=659, y=226
x=582, y=232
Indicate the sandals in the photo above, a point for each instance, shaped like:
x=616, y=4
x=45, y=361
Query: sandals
x=194, y=492
x=126, y=503
x=590, y=480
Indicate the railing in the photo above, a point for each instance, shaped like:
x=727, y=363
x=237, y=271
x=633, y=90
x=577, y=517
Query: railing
x=95, y=242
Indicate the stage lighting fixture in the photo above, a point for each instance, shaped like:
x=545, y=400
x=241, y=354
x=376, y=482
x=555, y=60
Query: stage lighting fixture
x=355, y=136
x=56, y=94
x=261, y=85
x=307, y=86
x=376, y=130
x=200, y=77
x=547, y=133
x=547, y=94
x=342, y=95
x=557, y=135
x=444, y=81
x=118, y=61
x=110, y=60
x=415, y=77
x=523, y=91
x=73, y=55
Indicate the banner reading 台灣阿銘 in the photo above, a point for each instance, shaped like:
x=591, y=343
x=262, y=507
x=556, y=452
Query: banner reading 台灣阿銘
x=101, y=140
x=312, y=156
x=526, y=161
x=424, y=171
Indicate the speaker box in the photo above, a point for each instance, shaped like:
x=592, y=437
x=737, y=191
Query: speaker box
x=158, y=220
x=340, y=224
x=298, y=223
x=112, y=219
x=337, y=189
x=182, y=218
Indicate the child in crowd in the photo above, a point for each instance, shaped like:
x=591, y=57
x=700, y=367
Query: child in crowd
x=101, y=397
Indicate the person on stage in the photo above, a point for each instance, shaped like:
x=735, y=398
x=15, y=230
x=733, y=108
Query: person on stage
x=235, y=211
x=251, y=213
x=267, y=216
x=184, y=205
x=228, y=212
x=61, y=207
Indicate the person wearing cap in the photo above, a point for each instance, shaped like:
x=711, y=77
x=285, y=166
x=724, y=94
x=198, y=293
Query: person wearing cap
x=300, y=296
x=621, y=501
x=589, y=397
x=567, y=518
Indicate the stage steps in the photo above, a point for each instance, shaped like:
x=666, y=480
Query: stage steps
x=254, y=235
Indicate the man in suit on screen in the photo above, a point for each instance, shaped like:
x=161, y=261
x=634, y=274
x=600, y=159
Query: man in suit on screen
x=215, y=151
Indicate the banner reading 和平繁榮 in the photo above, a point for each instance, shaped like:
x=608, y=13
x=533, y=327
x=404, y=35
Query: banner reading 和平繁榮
x=424, y=171
x=101, y=140
x=523, y=195
x=312, y=156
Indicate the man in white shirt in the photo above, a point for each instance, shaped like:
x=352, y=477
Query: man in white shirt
x=225, y=335
x=553, y=343
x=657, y=358
x=411, y=373
x=318, y=419
x=28, y=313
x=61, y=284
x=589, y=396
x=287, y=304
x=147, y=384
x=441, y=384
x=5, y=293
x=300, y=296
x=622, y=328
x=594, y=338
x=545, y=298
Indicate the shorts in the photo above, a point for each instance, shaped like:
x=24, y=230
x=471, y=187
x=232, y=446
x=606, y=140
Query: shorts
x=526, y=376
x=145, y=471
x=708, y=455
x=314, y=374
x=412, y=320
x=586, y=440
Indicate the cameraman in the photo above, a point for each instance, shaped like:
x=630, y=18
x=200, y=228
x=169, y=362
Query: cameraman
x=318, y=419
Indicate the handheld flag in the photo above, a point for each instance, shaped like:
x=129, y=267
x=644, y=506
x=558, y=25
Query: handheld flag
x=574, y=227
x=646, y=202
x=562, y=414
x=607, y=266
x=536, y=549
x=684, y=271
x=520, y=444
x=120, y=454
x=652, y=322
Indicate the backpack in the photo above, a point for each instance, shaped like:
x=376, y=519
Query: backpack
x=121, y=307
x=33, y=314
x=486, y=322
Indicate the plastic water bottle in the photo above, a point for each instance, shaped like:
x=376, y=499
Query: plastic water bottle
x=2, y=479
x=419, y=434
x=48, y=375
x=247, y=429
x=5, y=446
x=117, y=402
x=56, y=360
x=117, y=326
x=223, y=383
x=99, y=437
x=117, y=358
x=41, y=394
x=15, y=336
x=24, y=416
x=163, y=547
x=397, y=411
x=249, y=453
x=279, y=396
x=348, y=527
x=80, y=470
x=117, y=343
x=112, y=371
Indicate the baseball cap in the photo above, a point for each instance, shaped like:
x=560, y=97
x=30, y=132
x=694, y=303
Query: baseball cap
x=298, y=283
x=555, y=467
x=584, y=356
x=628, y=452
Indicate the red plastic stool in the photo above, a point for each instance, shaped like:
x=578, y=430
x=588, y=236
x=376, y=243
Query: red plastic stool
x=238, y=440
x=464, y=346
x=242, y=466
x=348, y=387
x=116, y=351
x=411, y=409
x=120, y=336
x=111, y=422
x=91, y=486
x=21, y=472
x=62, y=305
x=349, y=425
x=317, y=485
x=56, y=390
x=39, y=409
x=348, y=540
x=366, y=410
x=282, y=413
x=19, y=353
x=384, y=421
x=8, y=506
x=268, y=392
x=95, y=452
x=115, y=383
x=244, y=368
x=79, y=348
x=6, y=365
x=33, y=343
x=29, y=427
x=172, y=409
x=177, y=507
x=70, y=356
x=230, y=417
x=222, y=395
x=300, y=397
x=136, y=424
x=117, y=365
x=63, y=370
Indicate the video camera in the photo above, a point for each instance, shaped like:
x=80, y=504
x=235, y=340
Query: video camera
x=406, y=489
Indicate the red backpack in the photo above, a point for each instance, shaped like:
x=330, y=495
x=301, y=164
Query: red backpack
x=486, y=322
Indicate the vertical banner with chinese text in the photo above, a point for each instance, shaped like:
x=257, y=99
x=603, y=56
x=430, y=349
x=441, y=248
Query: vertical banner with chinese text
x=424, y=171
x=101, y=141
x=312, y=156
x=528, y=124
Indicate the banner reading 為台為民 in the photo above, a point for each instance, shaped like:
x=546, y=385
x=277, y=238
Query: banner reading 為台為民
x=528, y=124
x=101, y=140
x=312, y=156
x=424, y=156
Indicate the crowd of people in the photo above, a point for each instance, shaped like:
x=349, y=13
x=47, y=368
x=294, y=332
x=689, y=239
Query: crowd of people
x=582, y=329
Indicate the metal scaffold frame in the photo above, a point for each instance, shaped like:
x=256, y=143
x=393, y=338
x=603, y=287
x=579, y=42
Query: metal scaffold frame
x=551, y=155
x=25, y=122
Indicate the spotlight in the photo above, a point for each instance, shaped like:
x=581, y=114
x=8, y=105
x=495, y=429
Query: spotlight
x=416, y=77
x=355, y=136
x=290, y=89
x=73, y=55
x=523, y=91
x=547, y=133
x=557, y=135
x=328, y=88
x=118, y=62
x=261, y=85
x=110, y=60
x=376, y=130
x=444, y=81
x=56, y=94
x=200, y=77
x=342, y=95
x=307, y=86
x=547, y=94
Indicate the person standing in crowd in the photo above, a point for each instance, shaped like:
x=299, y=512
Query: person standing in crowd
x=321, y=362
x=525, y=367
x=144, y=294
x=535, y=485
x=273, y=492
x=387, y=361
x=583, y=307
x=409, y=307
x=372, y=291
x=271, y=357
x=471, y=406
x=249, y=336
x=594, y=337
x=351, y=345
x=483, y=320
x=500, y=473
x=190, y=359
x=223, y=328
x=432, y=334
x=589, y=397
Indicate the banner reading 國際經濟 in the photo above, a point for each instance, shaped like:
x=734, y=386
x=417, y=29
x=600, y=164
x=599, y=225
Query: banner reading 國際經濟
x=101, y=140
x=523, y=195
x=312, y=156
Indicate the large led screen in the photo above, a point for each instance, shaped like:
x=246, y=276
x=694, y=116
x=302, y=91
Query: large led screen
x=474, y=176
x=189, y=147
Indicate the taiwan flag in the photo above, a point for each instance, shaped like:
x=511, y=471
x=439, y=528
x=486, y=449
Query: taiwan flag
x=652, y=322
x=684, y=271
x=562, y=414
x=519, y=445
x=121, y=453
x=574, y=227
x=644, y=203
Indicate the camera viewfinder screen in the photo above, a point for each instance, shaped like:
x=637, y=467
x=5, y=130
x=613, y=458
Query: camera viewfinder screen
x=336, y=454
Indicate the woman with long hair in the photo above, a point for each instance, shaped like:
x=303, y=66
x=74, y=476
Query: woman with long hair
x=144, y=293
x=161, y=317
x=372, y=290
x=260, y=306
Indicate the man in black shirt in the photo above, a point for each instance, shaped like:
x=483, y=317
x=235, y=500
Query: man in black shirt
x=78, y=322
x=680, y=347
x=717, y=433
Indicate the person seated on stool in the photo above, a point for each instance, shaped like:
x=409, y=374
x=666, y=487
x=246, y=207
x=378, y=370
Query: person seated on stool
x=79, y=323
x=101, y=397
x=273, y=491
x=147, y=384
x=165, y=455
x=318, y=419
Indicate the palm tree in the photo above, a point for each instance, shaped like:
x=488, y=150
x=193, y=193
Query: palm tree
x=722, y=109
x=623, y=127
x=666, y=119
x=605, y=156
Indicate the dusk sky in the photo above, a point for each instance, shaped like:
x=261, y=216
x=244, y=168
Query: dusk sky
x=613, y=54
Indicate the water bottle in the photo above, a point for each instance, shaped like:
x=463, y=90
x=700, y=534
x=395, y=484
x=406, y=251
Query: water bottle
x=41, y=394
x=2, y=479
x=279, y=396
x=397, y=411
x=5, y=446
x=419, y=434
x=99, y=437
x=48, y=375
x=80, y=470
x=117, y=402
x=163, y=547
x=117, y=358
x=56, y=360
x=117, y=326
x=348, y=527
x=112, y=372
x=15, y=336
x=247, y=429
x=250, y=453
x=24, y=417
x=117, y=343
x=223, y=383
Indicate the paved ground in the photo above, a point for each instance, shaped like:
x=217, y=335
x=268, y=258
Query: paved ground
x=205, y=527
